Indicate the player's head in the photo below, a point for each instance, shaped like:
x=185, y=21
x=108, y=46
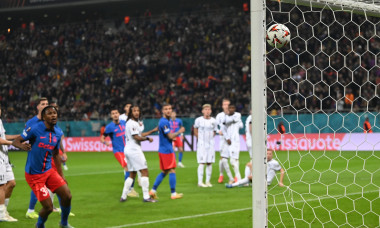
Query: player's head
x=42, y=103
x=173, y=115
x=55, y=105
x=115, y=114
x=231, y=109
x=206, y=110
x=269, y=154
x=167, y=110
x=366, y=119
x=49, y=114
x=134, y=112
x=127, y=107
x=225, y=103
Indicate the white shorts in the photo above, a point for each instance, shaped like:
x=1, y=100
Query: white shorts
x=234, y=149
x=135, y=160
x=224, y=151
x=250, y=151
x=6, y=172
x=205, y=155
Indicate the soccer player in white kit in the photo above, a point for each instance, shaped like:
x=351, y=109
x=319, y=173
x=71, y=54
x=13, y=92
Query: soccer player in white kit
x=248, y=136
x=272, y=167
x=133, y=153
x=205, y=128
x=224, y=154
x=7, y=178
x=232, y=123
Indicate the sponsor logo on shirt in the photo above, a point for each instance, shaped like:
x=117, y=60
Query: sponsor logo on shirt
x=45, y=146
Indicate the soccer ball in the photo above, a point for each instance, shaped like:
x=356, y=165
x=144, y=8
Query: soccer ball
x=278, y=35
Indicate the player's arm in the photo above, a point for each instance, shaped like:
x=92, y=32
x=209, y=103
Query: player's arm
x=11, y=137
x=57, y=161
x=103, y=140
x=142, y=138
x=149, y=132
x=5, y=142
x=281, y=183
x=196, y=132
x=175, y=134
x=18, y=142
x=64, y=155
x=226, y=136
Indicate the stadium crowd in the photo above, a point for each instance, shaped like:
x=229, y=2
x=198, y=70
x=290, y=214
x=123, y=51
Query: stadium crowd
x=187, y=60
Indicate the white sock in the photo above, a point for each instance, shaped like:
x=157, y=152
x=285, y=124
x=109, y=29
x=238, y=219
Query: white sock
x=2, y=211
x=247, y=172
x=6, y=202
x=30, y=211
x=138, y=175
x=200, y=173
x=221, y=168
x=235, y=166
x=208, y=173
x=227, y=168
x=127, y=185
x=245, y=180
x=145, y=187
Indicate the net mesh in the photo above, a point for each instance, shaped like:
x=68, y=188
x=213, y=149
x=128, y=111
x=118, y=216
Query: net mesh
x=323, y=87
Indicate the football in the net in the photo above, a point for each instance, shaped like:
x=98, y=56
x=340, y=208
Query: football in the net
x=278, y=35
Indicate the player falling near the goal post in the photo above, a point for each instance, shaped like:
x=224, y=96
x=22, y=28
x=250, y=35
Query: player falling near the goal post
x=272, y=167
x=166, y=154
x=205, y=128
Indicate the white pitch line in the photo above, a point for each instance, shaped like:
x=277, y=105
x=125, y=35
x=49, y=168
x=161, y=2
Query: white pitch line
x=234, y=210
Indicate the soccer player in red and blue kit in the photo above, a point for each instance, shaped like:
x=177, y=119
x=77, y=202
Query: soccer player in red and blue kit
x=116, y=131
x=39, y=174
x=166, y=153
x=175, y=125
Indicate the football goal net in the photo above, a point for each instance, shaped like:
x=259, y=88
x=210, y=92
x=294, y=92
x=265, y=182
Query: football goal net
x=323, y=88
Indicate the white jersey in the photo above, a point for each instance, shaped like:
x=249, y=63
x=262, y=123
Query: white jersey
x=132, y=128
x=206, y=129
x=123, y=117
x=219, y=119
x=272, y=167
x=248, y=136
x=3, y=148
x=231, y=126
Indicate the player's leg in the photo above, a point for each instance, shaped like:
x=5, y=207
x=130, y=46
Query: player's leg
x=120, y=157
x=160, y=177
x=226, y=167
x=221, y=166
x=180, y=152
x=30, y=213
x=2, y=200
x=245, y=181
x=145, y=186
x=127, y=184
x=11, y=184
x=47, y=208
x=201, y=158
x=208, y=174
x=173, y=184
x=234, y=160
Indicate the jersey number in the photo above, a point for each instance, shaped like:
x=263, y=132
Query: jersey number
x=44, y=191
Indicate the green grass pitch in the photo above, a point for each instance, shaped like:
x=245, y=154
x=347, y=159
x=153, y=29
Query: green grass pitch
x=96, y=181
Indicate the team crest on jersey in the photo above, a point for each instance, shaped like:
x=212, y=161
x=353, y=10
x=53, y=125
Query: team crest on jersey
x=54, y=139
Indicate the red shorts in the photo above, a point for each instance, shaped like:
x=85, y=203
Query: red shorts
x=178, y=142
x=167, y=161
x=40, y=183
x=120, y=157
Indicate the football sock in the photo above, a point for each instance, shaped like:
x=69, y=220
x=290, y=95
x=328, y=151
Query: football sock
x=2, y=211
x=245, y=180
x=145, y=187
x=235, y=166
x=127, y=186
x=65, y=215
x=172, y=182
x=180, y=156
x=221, y=169
x=158, y=180
x=208, y=173
x=200, y=173
x=33, y=201
x=133, y=183
x=126, y=174
x=6, y=202
x=247, y=172
x=41, y=222
x=227, y=168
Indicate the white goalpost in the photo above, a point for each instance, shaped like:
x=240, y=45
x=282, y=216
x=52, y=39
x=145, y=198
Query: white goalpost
x=324, y=86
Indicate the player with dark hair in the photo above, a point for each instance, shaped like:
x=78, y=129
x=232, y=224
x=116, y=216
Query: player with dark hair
x=7, y=178
x=39, y=174
x=124, y=116
x=166, y=154
x=367, y=126
x=116, y=131
x=136, y=160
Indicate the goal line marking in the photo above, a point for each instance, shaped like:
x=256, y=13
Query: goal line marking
x=232, y=211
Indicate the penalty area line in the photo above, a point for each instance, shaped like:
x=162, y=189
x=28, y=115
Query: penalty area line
x=234, y=210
